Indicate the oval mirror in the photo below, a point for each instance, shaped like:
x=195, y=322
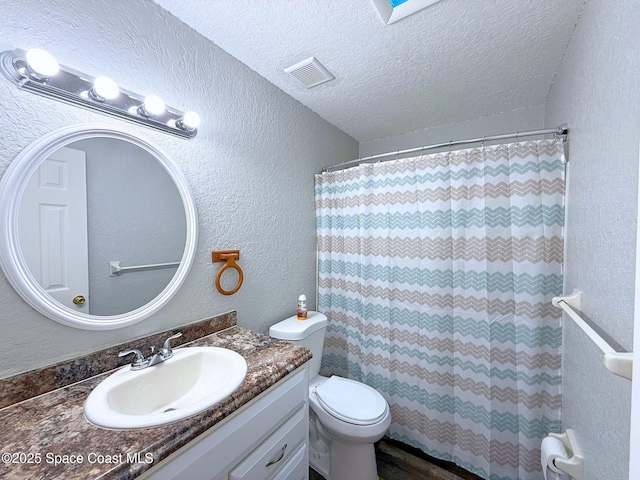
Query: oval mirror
x=101, y=227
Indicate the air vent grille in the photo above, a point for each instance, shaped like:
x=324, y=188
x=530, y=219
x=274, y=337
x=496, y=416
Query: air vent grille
x=310, y=72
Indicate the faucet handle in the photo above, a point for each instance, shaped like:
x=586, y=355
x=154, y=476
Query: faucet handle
x=139, y=357
x=166, y=348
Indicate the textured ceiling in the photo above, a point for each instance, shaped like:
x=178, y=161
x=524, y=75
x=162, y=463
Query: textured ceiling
x=453, y=61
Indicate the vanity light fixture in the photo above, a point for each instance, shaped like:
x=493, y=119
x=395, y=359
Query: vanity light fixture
x=37, y=71
x=189, y=121
x=104, y=89
x=40, y=65
x=153, y=106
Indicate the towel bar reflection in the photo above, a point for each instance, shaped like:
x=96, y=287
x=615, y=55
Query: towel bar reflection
x=618, y=363
x=115, y=269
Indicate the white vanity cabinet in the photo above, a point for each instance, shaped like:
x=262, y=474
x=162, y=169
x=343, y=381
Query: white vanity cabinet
x=263, y=440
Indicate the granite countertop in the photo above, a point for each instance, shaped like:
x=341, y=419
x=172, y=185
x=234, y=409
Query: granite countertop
x=48, y=437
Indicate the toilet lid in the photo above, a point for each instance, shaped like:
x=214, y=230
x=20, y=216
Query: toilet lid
x=351, y=401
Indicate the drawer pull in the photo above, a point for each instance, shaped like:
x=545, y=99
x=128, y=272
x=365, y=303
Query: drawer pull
x=273, y=462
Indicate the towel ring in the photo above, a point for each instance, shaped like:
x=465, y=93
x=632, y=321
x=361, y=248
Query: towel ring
x=229, y=257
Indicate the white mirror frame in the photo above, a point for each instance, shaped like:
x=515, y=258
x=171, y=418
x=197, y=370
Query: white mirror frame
x=12, y=261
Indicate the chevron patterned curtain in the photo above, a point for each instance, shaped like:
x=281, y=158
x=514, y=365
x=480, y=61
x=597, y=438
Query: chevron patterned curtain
x=436, y=274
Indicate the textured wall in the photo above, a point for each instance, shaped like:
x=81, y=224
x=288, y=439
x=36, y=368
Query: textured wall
x=250, y=167
x=597, y=92
x=531, y=118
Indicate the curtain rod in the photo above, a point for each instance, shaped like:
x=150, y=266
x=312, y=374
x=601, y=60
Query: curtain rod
x=560, y=131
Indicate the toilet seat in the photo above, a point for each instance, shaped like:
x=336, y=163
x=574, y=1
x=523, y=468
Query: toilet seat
x=350, y=401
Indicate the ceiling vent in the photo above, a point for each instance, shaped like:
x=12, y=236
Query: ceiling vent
x=310, y=72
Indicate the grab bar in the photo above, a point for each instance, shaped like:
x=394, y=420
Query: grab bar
x=618, y=363
x=115, y=269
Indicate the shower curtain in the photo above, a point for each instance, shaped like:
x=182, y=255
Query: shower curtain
x=436, y=274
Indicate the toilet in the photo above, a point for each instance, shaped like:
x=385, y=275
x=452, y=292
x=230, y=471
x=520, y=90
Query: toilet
x=345, y=417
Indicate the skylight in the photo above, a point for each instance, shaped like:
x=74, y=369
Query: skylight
x=391, y=11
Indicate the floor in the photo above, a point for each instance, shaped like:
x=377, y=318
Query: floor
x=397, y=461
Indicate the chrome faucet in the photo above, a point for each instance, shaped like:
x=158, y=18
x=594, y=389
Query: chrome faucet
x=159, y=356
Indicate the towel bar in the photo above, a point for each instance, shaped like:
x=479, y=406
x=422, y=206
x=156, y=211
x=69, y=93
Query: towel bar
x=618, y=363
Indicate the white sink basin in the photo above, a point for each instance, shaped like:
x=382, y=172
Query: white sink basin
x=191, y=381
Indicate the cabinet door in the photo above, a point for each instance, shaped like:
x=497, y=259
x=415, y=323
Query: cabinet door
x=275, y=451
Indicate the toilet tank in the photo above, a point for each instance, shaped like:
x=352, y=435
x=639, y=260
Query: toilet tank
x=307, y=333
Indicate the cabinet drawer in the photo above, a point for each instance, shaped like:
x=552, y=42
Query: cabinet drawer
x=275, y=451
x=296, y=469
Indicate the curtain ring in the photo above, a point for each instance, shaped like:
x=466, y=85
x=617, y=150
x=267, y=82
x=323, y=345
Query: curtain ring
x=517, y=133
x=483, y=139
x=397, y=153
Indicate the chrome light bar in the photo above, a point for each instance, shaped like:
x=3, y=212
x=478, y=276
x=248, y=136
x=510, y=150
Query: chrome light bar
x=76, y=88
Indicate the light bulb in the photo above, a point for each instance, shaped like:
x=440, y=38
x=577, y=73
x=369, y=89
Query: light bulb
x=189, y=121
x=153, y=105
x=42, y=63
x=104, y=89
